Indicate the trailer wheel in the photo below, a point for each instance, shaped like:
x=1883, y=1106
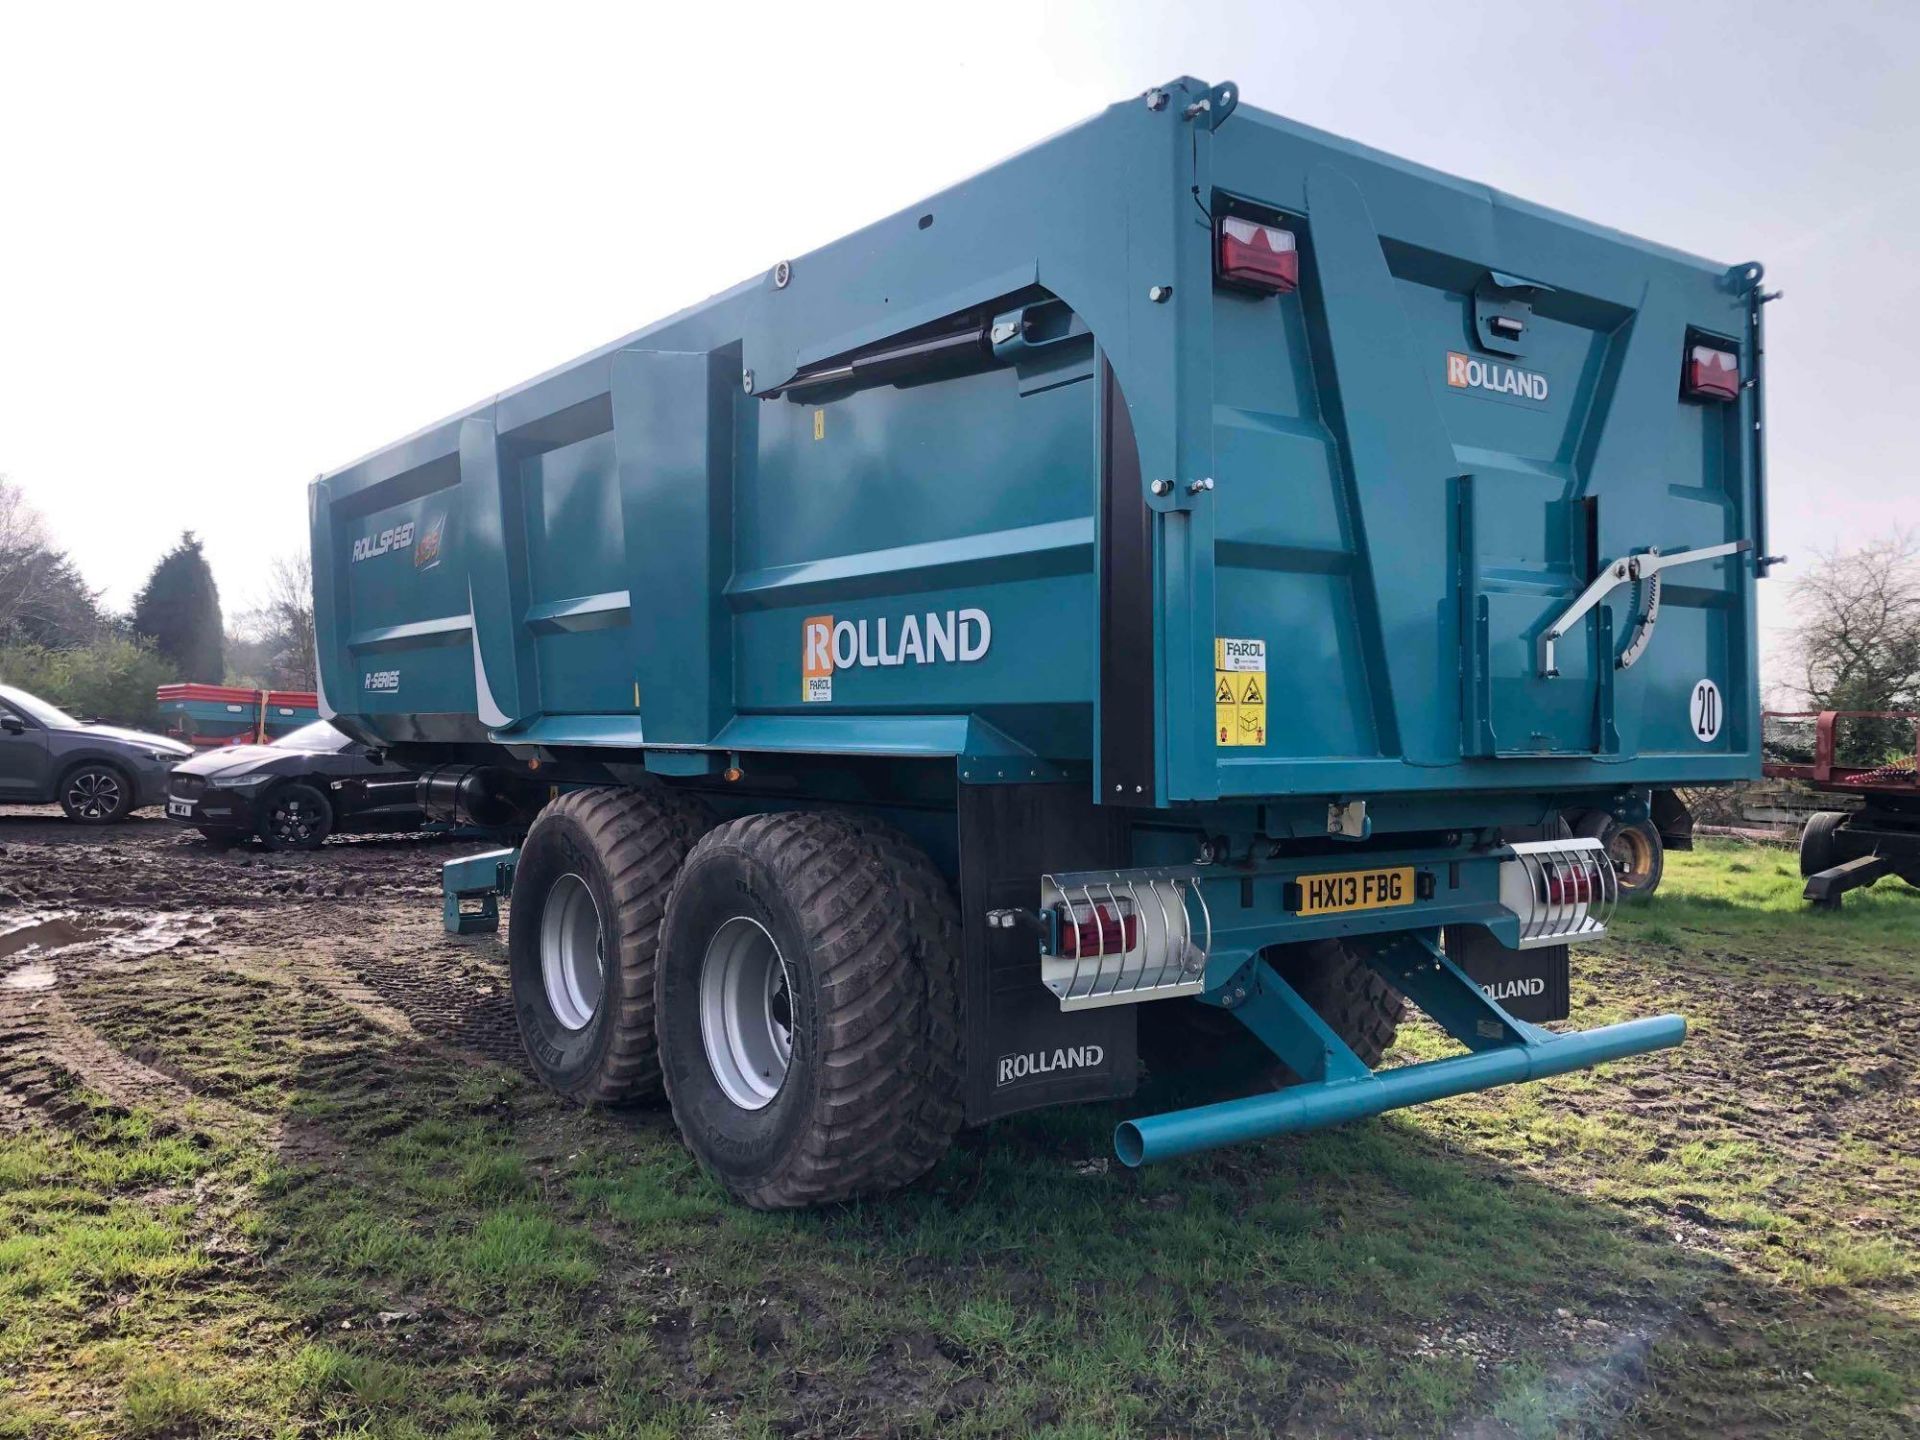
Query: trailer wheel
x=809, y=1021
x=1188, y=1044
x=1818, y=851
x=583, y=936
x=1637, y=852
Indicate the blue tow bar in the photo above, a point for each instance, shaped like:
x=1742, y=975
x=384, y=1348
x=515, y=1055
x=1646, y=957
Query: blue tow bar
x=1339, y=1087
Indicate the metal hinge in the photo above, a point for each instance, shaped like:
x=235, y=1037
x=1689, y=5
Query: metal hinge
x=1628, y=569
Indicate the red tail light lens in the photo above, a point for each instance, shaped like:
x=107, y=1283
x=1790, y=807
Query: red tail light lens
x=1577, y=886
x=1101, y=933
x=1261, y=257
x=1712, y=374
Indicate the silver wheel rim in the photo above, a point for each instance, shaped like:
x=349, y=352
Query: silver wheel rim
x=572, y=952
x=746, y=1012
x=94, y=794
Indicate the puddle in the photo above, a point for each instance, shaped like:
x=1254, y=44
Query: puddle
x=123, y=932
x=28, y=977
x=42, y=935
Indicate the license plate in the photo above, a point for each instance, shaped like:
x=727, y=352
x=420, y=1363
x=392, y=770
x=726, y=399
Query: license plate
x=183, y=809
x=1355, y=890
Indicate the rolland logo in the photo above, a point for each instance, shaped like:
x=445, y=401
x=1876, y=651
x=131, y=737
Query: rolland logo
x=934, y=638
x=1047, y=1062
x=1468, y=372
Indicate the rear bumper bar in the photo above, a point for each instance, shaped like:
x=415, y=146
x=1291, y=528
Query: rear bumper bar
x=1307, y=1107
x=1339, y=1087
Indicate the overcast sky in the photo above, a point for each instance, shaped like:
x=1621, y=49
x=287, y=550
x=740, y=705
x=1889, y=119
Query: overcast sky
x=242, y=245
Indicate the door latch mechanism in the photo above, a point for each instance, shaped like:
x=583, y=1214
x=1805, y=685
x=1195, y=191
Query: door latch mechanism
x=1641, y=571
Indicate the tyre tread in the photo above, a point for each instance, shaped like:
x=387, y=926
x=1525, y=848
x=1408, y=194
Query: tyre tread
x=641, y=835
x=883, y=928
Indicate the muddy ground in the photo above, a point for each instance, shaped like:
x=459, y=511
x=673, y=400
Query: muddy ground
x=351, y=918
x=271, y=1163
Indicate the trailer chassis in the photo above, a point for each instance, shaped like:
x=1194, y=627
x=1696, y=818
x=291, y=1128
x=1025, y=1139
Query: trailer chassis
x=1227, y=970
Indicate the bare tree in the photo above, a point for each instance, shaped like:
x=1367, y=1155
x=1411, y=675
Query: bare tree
x=273, y=642
x=1856, y=640
x=290, y=604
x=43, y=599
x=21, y=526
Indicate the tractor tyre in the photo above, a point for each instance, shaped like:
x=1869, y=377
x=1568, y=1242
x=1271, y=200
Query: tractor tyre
x=1637, y=852
x=1817, y=848
x=583, y=936
x=1346, y=992
x=1203, y=1050
x=809, y=1013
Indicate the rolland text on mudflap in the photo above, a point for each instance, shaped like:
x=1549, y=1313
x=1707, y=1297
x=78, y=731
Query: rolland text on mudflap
x=1514, y=989
x=1040, y=1063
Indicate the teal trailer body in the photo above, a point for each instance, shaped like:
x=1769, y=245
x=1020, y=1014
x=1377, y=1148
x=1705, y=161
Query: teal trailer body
x=1430, y=519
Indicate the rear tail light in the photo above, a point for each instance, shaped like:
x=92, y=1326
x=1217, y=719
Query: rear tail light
x=1118, y=937
x=1102, y=931
x=1712, y=374
x=1559, y=890
x=1576, y=885
x=1261, y=257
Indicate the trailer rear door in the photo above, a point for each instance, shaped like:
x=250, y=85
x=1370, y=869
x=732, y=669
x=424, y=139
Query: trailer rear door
x=1420, y=458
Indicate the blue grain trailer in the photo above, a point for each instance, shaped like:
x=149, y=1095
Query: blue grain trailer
x=1154, y=605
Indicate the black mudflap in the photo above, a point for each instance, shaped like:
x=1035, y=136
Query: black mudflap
x=1527, y=984
x=1022, y=1052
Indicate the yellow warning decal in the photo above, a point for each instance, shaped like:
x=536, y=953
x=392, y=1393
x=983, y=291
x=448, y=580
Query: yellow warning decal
x=819, y=424
x=1239, y=691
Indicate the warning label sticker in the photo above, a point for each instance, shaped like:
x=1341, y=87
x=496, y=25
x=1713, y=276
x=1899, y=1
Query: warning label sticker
x=1239, y=692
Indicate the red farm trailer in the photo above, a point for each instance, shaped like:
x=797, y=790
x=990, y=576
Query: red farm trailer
x=1872, y=756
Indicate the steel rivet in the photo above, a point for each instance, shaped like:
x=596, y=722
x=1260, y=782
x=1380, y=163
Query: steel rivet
x=1201, y=486
x=1160, y=294
x=1161, y=487
x=746, y=381
x=1156, y=100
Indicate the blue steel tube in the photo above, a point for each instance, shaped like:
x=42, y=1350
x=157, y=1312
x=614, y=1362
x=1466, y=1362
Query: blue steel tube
x=1306, y=1107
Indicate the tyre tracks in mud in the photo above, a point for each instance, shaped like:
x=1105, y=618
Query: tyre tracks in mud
x=154, y=970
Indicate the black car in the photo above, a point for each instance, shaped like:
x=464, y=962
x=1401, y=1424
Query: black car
x=293, y=793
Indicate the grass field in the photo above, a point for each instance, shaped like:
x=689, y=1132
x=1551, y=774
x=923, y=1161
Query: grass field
x=323, y=1225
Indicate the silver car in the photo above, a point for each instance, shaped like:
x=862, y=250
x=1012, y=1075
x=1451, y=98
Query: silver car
x=98, y=773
